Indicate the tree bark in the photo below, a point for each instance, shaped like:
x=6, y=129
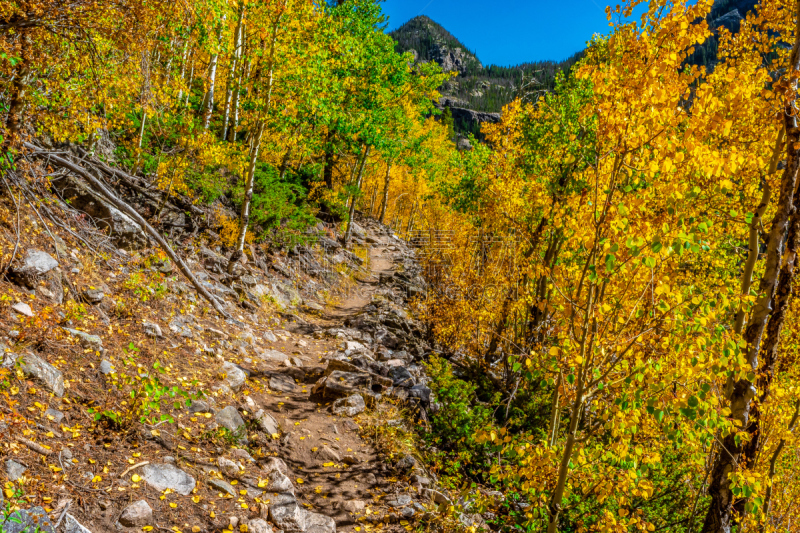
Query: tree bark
x=330, y=160
x=554, y=508
x=720, y=516
x=385, y=200
x=235, y=106
x=208, y=100
x=349, y=230
x=753, y=243
x=235, y=57
x=244, y=218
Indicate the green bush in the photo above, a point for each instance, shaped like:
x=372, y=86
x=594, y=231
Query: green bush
x=456, y=423
x=279, y=206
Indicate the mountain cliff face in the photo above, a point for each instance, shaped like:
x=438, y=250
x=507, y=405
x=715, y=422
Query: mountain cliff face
x=477, y=94
x=429, y=41
x=724, y=14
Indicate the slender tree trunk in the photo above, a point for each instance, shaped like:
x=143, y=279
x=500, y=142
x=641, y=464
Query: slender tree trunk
x=720, y=513
x=244, y=219
x=555, y=413
x=235, y=106
x=554, y=508
x=235, y=57
x=385, y=200
x=349, y=230
x=208, y=100
x=753, y=243
x=189, y=83
x=329, y=161
x=183, y=68
x=410, y=225
x=372, y=200
x=775, y=455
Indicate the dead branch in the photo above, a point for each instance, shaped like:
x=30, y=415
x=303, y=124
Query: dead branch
x=100, y=187
x=16, y=244
x=38, y=448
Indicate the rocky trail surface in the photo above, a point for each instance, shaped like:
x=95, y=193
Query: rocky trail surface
x=279, y=438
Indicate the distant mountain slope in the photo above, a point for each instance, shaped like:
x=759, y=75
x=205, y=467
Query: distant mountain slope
x=724, y=13
x=478, y=88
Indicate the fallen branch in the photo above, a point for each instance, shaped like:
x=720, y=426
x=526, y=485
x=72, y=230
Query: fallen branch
x=16, y=244
x=128, y=210
x=38, y=448
x=134, y=467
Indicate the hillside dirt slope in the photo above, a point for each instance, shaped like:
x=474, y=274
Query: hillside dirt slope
x=127, y=405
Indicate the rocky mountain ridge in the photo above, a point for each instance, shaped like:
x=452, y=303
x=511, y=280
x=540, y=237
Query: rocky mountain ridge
x=478, y=93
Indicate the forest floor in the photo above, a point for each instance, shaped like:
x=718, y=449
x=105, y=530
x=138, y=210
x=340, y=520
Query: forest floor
x=118, y=448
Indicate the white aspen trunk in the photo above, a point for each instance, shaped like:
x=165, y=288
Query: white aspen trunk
x=386, y=181
x=244, y=219
x=183, y=68
x=349, y=230
x=235, y=106
x=208, y=101
x=189, y=84
x=235, y=57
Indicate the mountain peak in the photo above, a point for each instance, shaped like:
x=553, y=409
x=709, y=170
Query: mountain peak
x=429, y=41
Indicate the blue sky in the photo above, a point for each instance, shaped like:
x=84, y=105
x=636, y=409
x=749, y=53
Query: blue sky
x=509, y=32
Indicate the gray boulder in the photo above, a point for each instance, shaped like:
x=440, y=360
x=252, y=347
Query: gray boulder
x=14, y=470
x=273, y=355
x=199, y=406
x=259, y=526
x=23, y=309
x=71, y=525
x=136, y=514
x=401, y=376
x=228, y=467
x=152, y=330
x=55, y=415
x=34, y=520
x=349, y=406
x=34, y=366
x=86, y=340
x=106, y=367
x=277, y=481
x=267, y=423
x=400, y=500
x=234, y=376
x=354, y=506
x=319, y=523
x=93, y=296
x=222, y=486
x=282, y=382
x=230, y=419
x=288, y=516
x=38, y=266
x=166, y=476
x=339, y=384
x=326, y=454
